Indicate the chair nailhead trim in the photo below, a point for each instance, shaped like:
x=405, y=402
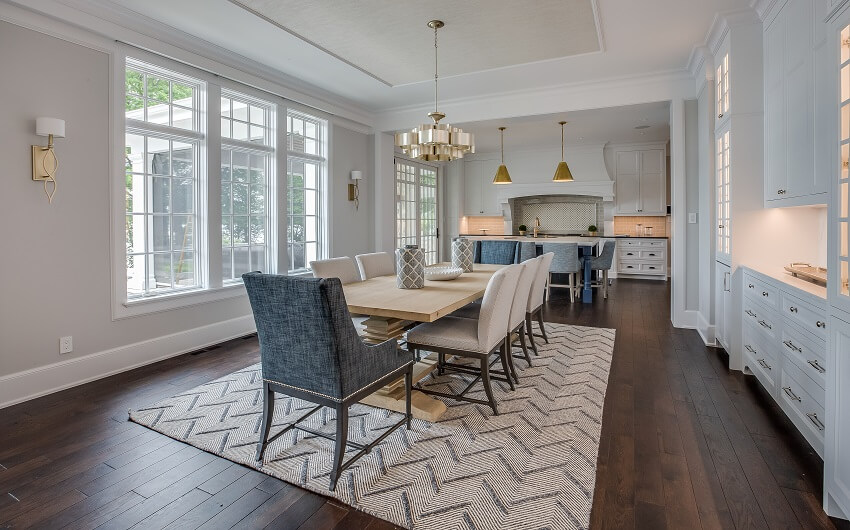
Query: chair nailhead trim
x=338, y=400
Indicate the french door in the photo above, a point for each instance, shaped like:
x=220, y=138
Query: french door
x=417, y=215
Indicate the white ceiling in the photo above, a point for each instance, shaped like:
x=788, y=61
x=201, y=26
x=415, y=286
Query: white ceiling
x=639, y=38
x=598, y=126
x=391, y=41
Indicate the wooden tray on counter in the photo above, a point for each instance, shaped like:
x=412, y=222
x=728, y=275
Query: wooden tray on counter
x=807, y=272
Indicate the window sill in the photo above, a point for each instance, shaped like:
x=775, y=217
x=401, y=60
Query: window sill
x=168, y=302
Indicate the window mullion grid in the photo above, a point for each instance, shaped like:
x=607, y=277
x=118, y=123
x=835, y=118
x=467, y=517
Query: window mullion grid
x=212, y=262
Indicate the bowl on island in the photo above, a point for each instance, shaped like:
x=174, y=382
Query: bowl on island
x=442, y=273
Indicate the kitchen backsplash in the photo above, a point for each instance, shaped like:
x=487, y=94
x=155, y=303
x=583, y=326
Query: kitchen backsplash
x=625, y=224
x=558, y=214
x=494, y=224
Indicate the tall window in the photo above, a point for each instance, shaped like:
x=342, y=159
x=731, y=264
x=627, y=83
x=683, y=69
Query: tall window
x=416, y=208
x=247, y=158
x=724, y=221
x=306, y=174
x=163, y=141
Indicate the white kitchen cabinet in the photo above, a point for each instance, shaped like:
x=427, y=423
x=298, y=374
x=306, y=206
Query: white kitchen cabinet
x=721, y=89
x=723, y=195
x=641, y=181
x=793, y=175
x=837, y=458
x=643, y=258
x=723, y=307
x=479, y=192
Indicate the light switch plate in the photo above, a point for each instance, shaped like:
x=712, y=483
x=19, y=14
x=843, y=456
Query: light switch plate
x=692, y=218
x=66, y=344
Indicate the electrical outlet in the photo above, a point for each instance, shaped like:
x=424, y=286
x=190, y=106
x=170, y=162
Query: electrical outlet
x=692, y=218
x=66, y=344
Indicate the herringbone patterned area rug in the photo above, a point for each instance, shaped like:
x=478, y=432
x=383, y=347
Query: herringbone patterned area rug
x=533, y=466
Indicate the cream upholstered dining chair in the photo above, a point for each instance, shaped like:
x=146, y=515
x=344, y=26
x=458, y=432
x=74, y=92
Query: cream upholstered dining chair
x=342, y=268
x=534, y=309
x=516, y=320
x=375, y=264
x=475, y=339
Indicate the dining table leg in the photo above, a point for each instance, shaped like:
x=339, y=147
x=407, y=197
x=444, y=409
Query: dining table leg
x=424, y=407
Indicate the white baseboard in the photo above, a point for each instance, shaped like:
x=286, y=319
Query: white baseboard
x=706, y=331
x=37, y=382
x=686, y=319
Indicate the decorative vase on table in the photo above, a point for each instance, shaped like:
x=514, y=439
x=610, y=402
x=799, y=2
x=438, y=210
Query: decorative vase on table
x=462, y=253
x=410, y=264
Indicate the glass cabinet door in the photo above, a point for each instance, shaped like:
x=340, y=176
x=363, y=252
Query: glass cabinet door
x=843, y=191
x=722, y=183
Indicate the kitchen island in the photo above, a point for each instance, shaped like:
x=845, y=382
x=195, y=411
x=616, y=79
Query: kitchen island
x=587, y=246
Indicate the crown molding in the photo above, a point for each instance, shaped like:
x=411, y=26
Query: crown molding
x=762, y=7
x=106, y=19
x=600, y=93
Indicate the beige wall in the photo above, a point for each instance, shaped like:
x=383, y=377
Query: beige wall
x=55, y=266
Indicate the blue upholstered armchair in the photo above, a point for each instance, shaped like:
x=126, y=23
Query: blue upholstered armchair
x=310, y=350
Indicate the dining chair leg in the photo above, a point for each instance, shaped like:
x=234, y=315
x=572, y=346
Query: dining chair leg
x=408, y=387
x=549, y=287
x=605, y=284
x=524, y=345
x=542, y=327
x=485, y=379
x=268, y=414
x=508, y=362
x=530, y=333
x=441, y=360
x=341, y=441
x=572, y=286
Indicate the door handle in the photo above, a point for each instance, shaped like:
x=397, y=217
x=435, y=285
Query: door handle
x=750, y=313
x=764, y=364
x=821, y=324
x=791, y=345
x=792, y=309
x=813, y=416
x=765, y=324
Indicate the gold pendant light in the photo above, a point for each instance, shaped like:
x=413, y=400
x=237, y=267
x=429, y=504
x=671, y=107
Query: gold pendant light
x=562, y=173
x=502, y=175
x=433, y=141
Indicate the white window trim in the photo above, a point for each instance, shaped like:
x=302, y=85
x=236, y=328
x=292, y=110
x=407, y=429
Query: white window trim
x=210, y=238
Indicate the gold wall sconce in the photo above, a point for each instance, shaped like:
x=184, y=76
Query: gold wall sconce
x=354, y=188
x=44, y=161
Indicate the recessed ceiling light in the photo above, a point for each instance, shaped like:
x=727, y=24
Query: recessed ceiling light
x=642, y=127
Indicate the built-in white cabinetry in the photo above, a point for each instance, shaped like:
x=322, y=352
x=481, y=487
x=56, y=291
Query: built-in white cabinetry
x=479, y=192
x=722, y=99
x=792, y=127
x=641, y=180
x=784, y=337
x=642, y=257
x=723, y=196
x=723, y=307
x=837, y=459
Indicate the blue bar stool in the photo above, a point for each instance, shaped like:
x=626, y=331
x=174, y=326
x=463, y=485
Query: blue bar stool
x=565, y=261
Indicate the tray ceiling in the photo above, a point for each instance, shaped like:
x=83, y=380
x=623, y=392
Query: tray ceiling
x=390, y=41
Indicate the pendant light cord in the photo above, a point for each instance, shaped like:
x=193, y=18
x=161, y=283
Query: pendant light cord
x=436, y=70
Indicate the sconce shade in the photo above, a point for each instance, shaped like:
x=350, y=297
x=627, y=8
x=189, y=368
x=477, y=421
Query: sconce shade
x=356, y=175
x=48, y=126
x=502, y=175
x=562, y=173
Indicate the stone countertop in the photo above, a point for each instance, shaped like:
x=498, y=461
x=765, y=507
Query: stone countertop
x=587, y=240
x=781, y=275
x=555, y=236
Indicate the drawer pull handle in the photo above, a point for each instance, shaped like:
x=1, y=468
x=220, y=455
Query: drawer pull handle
x=749, y=348
x=652, y=254
x=630, y=253
x=792, y=309
x=764, y=293
x=814, y=419
x=653, y=268
x=791, y=394
x=765, y=324
x=792, y=346
x=764, y=364
x=821, y=324
x=781, y=192
x=751, y=286
x=749, y=312
x=816, y=365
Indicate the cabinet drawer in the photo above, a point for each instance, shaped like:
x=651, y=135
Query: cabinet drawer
x=760, y=359
x=807, y=316
x=808, y=354
x=642, y=243
x=653, y=255
x=801, y=407
x=640, y=267
x=762, y=319
x=760, y=290
x=628, y=253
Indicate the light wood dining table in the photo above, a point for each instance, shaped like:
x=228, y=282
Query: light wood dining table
x=390, y=310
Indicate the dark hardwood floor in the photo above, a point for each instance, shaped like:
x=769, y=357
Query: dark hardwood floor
x=685, y=444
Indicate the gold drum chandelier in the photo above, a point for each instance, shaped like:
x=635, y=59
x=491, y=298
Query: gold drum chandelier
x=435, y=141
